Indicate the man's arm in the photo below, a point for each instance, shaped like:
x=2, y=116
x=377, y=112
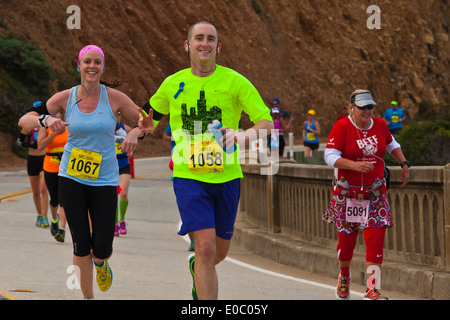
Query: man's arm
x=260, y=129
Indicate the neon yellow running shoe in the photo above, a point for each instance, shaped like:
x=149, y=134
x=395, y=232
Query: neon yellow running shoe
x=191, y=269
x=104, y=275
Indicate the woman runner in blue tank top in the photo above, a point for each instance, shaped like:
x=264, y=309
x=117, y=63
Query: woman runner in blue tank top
x=89, y=176
x=311, y=132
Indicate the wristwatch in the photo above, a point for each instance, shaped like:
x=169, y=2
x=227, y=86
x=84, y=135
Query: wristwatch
x=42, y=119
x=406, y=162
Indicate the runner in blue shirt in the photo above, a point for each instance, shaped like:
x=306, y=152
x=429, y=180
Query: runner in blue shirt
x=394, y=117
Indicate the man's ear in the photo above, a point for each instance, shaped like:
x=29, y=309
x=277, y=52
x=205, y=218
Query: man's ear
x=219, y=48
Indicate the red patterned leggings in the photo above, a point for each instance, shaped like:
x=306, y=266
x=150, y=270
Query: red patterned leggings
x=374, y=239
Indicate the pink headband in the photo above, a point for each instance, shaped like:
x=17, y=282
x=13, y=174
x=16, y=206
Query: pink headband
x=90, y=47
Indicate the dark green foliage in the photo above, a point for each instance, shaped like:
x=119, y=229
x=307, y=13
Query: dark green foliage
x=24, y=78
x=426, y=142
x=24, y=63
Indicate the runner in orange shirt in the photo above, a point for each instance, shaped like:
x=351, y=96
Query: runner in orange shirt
x=54, y=148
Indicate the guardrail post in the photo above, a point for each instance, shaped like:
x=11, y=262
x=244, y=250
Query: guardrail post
x=273, y=211
x=446, y=194
x=291, y=145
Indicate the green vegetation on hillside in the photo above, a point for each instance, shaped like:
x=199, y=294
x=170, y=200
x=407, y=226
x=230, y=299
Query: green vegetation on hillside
x=24, y=77
x=426, y=141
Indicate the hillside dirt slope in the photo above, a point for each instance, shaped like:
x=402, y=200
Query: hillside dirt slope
x=309, y=53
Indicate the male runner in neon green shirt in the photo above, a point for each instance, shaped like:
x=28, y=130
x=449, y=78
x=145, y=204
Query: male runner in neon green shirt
x=206, y=178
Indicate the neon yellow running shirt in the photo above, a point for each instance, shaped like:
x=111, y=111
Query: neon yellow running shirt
x=195, y=101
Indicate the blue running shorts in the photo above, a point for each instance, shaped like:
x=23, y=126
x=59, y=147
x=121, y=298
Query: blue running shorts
x=207, y=205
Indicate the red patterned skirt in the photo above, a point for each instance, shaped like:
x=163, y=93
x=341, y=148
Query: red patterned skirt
x=379, y=214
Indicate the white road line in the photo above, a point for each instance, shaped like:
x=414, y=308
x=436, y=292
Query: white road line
x=276, y=274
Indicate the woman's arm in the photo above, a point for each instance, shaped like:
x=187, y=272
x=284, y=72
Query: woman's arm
x=317, y=131
x=304, y=131
x=333, y=158
x=54, y=105
x=120, y=102
x=44, y=138
x=283, y=125
x=404, y=174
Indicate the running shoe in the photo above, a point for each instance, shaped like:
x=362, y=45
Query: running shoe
x=104, y=275
x=54, y=227
x=61, y=235
x=122, y=227
x=45, y=222
x=191, y=268
x=343, y=287
x=374, y=294
x=39, y=222
x=116, y=230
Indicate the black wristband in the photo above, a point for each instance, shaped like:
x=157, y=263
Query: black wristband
x=145, y=134
x=406, y=162
x=156, y=115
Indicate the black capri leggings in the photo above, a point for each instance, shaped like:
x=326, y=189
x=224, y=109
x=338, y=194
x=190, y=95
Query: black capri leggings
x=51, y=180
x=81, y=201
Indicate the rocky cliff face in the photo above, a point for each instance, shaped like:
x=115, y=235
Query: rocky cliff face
x=309, y=53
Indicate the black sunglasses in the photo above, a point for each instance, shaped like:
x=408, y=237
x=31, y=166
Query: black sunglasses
x=368, y=107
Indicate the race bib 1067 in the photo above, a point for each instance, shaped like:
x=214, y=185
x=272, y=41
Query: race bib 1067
x=84, y=164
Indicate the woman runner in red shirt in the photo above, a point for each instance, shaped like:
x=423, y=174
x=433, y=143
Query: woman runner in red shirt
x=355, y=149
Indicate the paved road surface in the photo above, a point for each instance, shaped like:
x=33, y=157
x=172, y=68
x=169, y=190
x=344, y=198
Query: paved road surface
x=148, y=263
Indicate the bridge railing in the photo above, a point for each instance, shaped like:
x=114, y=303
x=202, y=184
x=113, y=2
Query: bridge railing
x=292, y=202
